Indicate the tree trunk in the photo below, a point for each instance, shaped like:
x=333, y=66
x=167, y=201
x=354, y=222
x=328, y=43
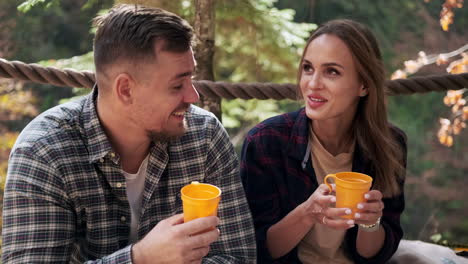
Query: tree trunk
x=311, y=11
x=204, y=26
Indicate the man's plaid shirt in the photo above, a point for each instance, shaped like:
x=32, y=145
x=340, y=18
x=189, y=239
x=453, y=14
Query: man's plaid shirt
x=65, y=197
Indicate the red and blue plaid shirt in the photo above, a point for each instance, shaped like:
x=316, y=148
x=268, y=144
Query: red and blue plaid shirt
x=278, y=176
x=65, y=198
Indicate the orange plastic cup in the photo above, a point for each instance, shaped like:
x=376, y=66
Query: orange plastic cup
x=350, y=189
x=200, y=200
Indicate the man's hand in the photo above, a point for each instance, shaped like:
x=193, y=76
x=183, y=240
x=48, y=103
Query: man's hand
x=173, y=241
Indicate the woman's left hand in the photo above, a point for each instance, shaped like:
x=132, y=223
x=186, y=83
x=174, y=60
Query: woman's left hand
x=371, y=209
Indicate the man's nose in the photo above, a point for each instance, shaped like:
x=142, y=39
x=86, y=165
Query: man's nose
x=191, y=95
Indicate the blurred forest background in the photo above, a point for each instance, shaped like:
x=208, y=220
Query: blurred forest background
x=261, y=41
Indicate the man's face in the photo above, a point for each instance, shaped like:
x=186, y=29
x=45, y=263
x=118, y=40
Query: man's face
x=163, y=93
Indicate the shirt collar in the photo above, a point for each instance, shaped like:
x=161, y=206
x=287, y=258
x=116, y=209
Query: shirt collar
x=298, y=141
x=97, y=141
x=298, y=145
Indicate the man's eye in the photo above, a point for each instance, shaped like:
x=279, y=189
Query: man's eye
x=178, y=87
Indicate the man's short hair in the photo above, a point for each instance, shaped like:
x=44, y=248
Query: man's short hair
x=129, y=32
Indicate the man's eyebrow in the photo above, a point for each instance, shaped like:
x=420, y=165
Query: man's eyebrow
x=181, y=75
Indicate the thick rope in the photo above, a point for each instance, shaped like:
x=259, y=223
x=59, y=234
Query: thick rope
x=72, y=78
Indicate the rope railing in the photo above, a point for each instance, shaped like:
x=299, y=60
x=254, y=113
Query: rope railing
x=72, y=78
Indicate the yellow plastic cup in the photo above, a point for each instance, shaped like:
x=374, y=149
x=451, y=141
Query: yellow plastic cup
x=200, y=200
x=350, y=189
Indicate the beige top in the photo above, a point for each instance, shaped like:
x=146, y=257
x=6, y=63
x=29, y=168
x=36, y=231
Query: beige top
x=322, y=244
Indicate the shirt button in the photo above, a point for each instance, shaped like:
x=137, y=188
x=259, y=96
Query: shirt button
x=123, y=219
x=119, y=185
x=112, y=154
x=101, y=160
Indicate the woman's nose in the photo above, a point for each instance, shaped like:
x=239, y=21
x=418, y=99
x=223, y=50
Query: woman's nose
x=315, y=82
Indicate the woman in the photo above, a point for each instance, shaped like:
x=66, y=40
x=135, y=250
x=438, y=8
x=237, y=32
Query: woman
x=343, y=127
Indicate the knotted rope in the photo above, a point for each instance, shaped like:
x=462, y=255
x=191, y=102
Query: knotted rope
x=72, y=78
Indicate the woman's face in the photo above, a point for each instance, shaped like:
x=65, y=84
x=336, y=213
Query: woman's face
x=329, y=80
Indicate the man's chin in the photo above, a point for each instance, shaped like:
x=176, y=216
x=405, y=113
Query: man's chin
x=168, y=135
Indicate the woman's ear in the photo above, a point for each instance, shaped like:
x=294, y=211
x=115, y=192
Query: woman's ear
x=364, y=91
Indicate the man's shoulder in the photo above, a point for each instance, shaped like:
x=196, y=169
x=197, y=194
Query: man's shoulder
x=53, y=126
x=201, y=119
x=196, y=112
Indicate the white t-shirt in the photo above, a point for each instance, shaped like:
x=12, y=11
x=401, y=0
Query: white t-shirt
x=135, y=186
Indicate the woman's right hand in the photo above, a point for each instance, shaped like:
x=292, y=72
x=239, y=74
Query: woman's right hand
x=317, y=210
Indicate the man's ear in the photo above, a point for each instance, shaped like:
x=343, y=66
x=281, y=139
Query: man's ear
x=123, y=88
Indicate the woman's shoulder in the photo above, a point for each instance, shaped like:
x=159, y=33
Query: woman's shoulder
x=398, y=133
x=280, y=125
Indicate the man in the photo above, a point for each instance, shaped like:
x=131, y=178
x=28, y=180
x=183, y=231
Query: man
x=99, y=179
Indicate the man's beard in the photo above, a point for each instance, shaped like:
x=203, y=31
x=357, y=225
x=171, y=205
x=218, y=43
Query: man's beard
x=166, y=136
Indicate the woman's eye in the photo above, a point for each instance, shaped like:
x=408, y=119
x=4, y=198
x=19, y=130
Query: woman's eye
x=333, y=71
x=307, y=68
x=178, y=87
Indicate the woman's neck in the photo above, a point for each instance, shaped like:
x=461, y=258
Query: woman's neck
x=335, y=138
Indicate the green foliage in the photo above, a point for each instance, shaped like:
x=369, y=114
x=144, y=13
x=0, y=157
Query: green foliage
x=402, y=111
x=251, y=111
x=254, y=42
x=78, y=63
x=436, y=237
x=59, y=31
x=389, y=20
x=27, y=5
x=257, y=42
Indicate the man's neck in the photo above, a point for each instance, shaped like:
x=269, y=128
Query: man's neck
x=131, y=145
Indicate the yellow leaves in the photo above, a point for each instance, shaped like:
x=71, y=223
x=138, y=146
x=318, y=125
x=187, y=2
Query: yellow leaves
x=459, y=66
x=441, y=59
x=449, y=128
x=444, y=133
x=446, y=14
x=453, y=96
x=465, y=113
x=7, y=140
x=446, y=18
x=15, y=102
x=446, y=140
x=458, y=125
x=411, y=66
x=453, y=99
x=399, y=74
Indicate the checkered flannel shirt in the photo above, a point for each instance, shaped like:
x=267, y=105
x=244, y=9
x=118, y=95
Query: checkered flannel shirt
x=65, y=198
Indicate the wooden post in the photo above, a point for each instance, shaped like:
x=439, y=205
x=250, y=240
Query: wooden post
x=204, y=26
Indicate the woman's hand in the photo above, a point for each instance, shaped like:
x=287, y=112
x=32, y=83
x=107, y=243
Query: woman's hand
x=371, y=209
x=317, y=210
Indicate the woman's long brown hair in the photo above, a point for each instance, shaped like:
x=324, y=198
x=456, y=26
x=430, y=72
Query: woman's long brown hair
x=370, y=127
